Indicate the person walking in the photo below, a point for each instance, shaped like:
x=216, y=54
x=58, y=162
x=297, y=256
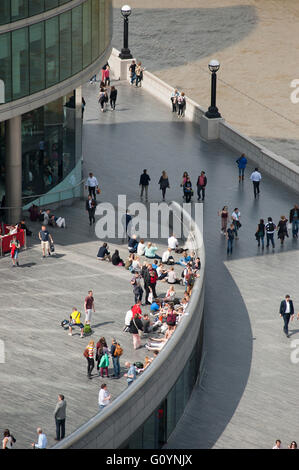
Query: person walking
x=92, y=184
x=184, y=179
x=286, y=312
x=89, y=354
x=115, y=351
x=256, y=178
x=294, y=220
x=230, y=235
x=113, y=96
x=144, y=183
x=224, y=218
x=91, y=208
x=174, y=100
x=103, y=97
x=181, y=104
x=270, y=230
x=14, y=251
x=188, y=189
x=236, y=221
x=242, y=162
x=89, y=307
x=45, y=239
x=282, y=229
x=107, y=75
x=137, y=289
x=139, y=74
x=8, y=440
x=104, y=397
x=131, y=374
x=42, y=440
x=132, y=70
x=164, y=183
x=60, y=417
x=260, y=233
x=201, y=185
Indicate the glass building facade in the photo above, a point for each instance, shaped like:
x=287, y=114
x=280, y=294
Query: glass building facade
x=44, y=54
x=41, y=54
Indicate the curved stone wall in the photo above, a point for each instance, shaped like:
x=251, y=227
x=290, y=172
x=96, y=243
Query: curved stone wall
x=113, y=427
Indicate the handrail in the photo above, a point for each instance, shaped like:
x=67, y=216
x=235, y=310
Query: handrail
x=171, y=348
x=37, y=196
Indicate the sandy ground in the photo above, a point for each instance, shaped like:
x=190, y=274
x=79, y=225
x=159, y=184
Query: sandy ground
x=256, y=42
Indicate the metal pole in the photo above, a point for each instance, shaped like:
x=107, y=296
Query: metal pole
x=125, y=52
x=212, y=112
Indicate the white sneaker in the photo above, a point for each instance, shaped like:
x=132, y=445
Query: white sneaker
x=70, y=334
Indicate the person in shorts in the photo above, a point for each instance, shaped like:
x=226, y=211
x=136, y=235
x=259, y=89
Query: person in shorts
x=45, y=238
x=75, y=320
x=14, y=251
x=89, y=307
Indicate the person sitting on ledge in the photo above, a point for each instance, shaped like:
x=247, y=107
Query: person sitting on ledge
x=103, y=253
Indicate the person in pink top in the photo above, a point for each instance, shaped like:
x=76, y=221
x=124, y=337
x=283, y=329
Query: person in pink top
x=107, y=76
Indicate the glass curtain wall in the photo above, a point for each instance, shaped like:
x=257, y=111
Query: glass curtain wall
x=14, y=10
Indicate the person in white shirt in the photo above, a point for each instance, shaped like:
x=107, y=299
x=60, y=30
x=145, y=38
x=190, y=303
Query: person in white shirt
x=141, y=248
x=172, y=277
x=166, y=257
x=42, y=440
x=236, y=221
x=277, y=444
x=173, y=242
x=128, y=319
x=104, y=397
x=92, y=184
x=256, y=178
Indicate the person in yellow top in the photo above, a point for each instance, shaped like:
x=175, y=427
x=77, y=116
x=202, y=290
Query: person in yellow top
x=75, y=319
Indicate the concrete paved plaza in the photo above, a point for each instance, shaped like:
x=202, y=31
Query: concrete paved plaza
x=247, y=396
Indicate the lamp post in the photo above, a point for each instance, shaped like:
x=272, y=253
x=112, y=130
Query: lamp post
x=125, y=52
x=213, y=110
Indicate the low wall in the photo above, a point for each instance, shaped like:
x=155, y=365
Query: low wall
x=276, y=165
x=113, y=426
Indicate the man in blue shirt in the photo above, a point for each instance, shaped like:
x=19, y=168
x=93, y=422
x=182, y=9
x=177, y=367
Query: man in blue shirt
x=131, y=374
x=45, y=237
x=185, y=259
x=242, y=162
x=42, y=440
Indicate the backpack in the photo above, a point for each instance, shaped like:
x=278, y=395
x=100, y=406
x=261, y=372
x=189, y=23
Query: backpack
x=85, y=354
x=64, y=323
x=270, y=227
x=171, y=319
x=138, y=364
x=118, y=351
x=87, y=330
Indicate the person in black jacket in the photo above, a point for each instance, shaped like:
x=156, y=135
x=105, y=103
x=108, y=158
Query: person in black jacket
x=103, y=253
x=286, y=312
x=113, y=96
x=201, y=185
x=90, y=208
x=188, y=189
x=294, y=220
x=144, y=182
x=116, y=260
x=136, y=325
x=164, y=183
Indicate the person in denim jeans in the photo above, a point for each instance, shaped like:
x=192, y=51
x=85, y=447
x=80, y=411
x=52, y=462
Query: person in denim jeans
x=242, y=162
x=236, y=221
x=115, y=360
x=230, y=235
x=260, y=233
x=294, y=220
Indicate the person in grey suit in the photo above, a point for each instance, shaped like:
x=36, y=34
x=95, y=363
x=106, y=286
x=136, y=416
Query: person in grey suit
x=60, y=415
x=286, y=312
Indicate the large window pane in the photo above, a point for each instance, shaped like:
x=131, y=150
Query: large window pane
x=77, y=39
x=20, y=66
x=65, y=45
x=4, y=11
x=52, y=52
x=95, y=29
x=86, y=33
x=50, y=4
x=36, y=7
x=37, y=57
x=102, y=26
x=5, y=64
x=19, y=9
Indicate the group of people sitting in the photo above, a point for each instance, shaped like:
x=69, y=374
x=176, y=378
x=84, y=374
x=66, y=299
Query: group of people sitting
x=46, y=217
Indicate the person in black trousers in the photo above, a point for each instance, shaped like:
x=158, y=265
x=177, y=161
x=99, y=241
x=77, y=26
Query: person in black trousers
x=201, y=185
x=60, y=416
x=286, y=312
x=188, y=189
x=113, y=96
x=91, y=207
x=144, y=182
x=164, y=183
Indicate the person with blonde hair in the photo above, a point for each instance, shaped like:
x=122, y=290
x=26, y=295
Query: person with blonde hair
x=164, y=183
x=89, y=354
x=139, y=74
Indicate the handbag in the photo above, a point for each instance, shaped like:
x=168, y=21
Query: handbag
x=104, y=362
x=98, y=191
x=238, y=224
x=85, y=354
x=52, y=247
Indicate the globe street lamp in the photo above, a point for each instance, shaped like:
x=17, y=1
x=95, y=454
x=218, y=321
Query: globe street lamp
x=213, y=110
x=125, y=52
